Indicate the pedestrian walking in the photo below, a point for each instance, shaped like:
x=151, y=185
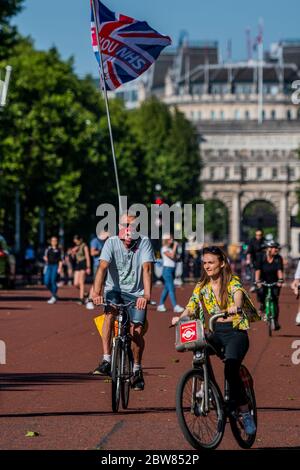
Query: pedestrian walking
x=81, y=255
x=168, y=253
x=53, y=260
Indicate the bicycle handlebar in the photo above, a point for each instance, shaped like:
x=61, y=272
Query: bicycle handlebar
x=213, y=318
x=272, y=284
x=128, y=304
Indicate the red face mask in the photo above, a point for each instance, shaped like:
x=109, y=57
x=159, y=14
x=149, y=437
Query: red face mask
x=125, y=234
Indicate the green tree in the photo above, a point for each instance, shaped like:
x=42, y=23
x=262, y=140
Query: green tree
x=171, y=152
x=8, y=33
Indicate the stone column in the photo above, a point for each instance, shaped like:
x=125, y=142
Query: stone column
x=284, y=220
x=235, y=219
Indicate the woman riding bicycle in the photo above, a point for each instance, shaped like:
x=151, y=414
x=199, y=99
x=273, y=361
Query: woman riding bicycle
x=219, y=290
x=269, y=269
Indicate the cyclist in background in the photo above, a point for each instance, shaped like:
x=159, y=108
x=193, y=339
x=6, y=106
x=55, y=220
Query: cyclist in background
x=295, y=286
x=269, y=269
x=219, y=290
x=128, y=265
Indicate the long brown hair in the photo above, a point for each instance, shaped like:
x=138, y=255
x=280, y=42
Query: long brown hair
x=226, y=273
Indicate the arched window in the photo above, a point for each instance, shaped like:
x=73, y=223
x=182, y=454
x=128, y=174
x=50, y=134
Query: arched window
x=222, y=116
x=212, y=115
x=288, y=115
x=273, y=114
x=263, y=115
x=247, y=115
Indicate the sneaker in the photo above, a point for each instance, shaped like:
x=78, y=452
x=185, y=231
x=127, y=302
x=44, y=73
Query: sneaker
x=161, y=308
x=298, y=319
x=137, y=382
x=178, y=309
x=248, y=422
x=277, y=326
x=103, y=368
x=90, y=305
x=80, y=301
x=52, y=300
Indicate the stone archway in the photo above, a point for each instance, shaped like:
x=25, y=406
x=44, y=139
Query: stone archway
x=261, y=214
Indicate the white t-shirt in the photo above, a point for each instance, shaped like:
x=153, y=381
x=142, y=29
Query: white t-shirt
x=125, y=270
x=167, y=262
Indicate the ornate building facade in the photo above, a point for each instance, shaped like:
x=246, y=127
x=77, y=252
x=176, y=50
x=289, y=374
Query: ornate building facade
x=250, y=152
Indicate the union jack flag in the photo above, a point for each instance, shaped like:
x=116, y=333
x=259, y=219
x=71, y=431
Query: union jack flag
x=128, y=46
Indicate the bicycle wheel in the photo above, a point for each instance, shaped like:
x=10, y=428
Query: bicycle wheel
x=244, y=440
x=127, y=363
x=203, y=430
x=116, y=375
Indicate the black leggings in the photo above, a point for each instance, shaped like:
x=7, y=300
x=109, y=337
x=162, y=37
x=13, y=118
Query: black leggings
x=234, y=344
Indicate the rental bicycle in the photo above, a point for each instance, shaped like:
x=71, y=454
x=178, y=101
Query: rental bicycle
x=271, y=307
x=201, y=410
x=122, y=358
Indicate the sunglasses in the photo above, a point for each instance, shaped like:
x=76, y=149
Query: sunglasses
x=214, y=250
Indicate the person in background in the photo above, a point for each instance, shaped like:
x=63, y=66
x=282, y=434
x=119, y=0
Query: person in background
x=168, y=253
x=295, y=286
x=53, y=260
x=96, y=246
x=29, y=259
x=255, y=248
x=80, y=253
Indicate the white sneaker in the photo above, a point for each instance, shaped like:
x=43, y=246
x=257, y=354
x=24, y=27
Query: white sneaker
x=178, y=309
x=52, y=300
x=89, y=306
x=161, y=308
x=298, y=319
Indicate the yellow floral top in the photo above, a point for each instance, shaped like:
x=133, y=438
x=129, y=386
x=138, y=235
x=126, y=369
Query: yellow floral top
x=205, y=299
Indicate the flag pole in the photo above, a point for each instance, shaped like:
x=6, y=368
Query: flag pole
x=107, y=108
x=260, y=73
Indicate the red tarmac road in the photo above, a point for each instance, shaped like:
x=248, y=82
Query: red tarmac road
x=46, y=386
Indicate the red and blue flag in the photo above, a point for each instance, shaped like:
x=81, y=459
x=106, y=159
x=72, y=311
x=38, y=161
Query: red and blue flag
x=128, y=46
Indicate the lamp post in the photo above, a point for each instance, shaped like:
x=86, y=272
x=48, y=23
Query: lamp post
x=4, y=86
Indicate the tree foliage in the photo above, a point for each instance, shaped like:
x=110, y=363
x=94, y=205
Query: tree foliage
x=55, y=148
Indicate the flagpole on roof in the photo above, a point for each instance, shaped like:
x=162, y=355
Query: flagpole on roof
x=102, y=81
x=260, y=72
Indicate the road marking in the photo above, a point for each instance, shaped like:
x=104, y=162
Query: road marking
x=107, y=436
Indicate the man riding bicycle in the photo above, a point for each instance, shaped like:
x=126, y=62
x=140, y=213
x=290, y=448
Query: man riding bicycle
x=269, y=270
x=127, y=262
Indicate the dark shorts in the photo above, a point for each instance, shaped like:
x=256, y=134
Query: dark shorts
x=232, y=342
x=80, y=266
x=136, y=316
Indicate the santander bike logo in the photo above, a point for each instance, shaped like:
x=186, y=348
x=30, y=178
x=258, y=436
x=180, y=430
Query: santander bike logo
x=188, y=332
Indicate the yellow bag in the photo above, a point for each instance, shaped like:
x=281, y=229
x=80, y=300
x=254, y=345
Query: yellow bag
x=100, y=320
x=99, y=323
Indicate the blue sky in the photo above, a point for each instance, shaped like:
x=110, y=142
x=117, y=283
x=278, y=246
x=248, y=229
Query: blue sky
x=65, y=23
